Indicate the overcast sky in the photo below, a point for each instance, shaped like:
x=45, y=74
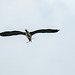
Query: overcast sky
x=48, y=54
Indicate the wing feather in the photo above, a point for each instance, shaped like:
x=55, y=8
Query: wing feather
x=10, y=33
x=44, y=31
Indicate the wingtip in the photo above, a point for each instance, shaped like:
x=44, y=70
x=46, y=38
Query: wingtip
x=57, y=30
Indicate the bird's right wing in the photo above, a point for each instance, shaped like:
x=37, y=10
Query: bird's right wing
x=10, y=33
x=44, y=31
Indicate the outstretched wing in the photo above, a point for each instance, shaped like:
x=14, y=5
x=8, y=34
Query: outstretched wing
x=44, y=31
x=10, y=33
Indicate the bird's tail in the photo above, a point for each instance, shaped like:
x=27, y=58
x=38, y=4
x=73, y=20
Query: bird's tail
x=28, y=41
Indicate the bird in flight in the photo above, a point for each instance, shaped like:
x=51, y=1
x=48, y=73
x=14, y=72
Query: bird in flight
x=27, y=33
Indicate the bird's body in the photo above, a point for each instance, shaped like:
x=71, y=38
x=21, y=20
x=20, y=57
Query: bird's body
x=27, y=33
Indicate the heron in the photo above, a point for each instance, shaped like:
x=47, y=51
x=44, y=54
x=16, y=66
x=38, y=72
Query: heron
x=27, y=33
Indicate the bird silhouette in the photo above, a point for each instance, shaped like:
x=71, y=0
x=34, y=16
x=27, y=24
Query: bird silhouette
x=27, y=33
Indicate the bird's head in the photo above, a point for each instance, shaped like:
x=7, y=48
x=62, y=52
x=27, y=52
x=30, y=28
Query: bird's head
x=26, y=30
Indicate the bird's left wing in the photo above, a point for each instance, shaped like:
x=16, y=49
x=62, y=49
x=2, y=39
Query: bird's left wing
x=10, y=33
x=44, y=31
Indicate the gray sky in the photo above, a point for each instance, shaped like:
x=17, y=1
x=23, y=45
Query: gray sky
x=48, y=54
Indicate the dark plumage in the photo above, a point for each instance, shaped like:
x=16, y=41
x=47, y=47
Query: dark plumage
x=10, y=33
x=27, y=33
x=44, y=31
